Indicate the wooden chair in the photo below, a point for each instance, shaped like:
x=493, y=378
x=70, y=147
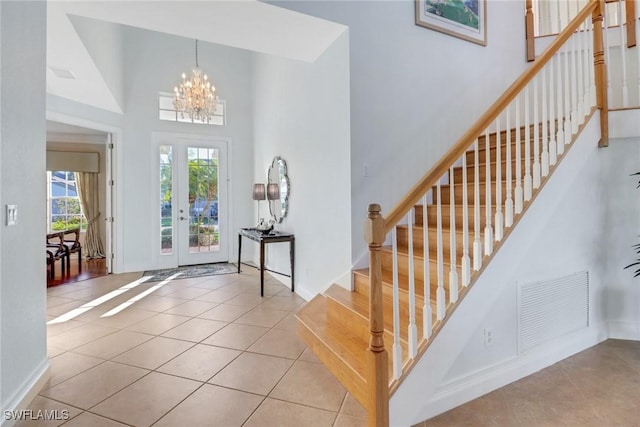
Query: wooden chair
x=58, y=250
x=51, y=265
x=73, y=246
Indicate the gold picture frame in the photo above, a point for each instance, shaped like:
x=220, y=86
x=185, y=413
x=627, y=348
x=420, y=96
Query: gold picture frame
x=465, y=19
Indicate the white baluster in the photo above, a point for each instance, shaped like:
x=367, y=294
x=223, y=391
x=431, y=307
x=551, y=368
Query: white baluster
x=519, y=195
x=607, y=56
x=575, y=108
x=397, y=349
x=453, y=272
x=623, y=57
x=427, y=312
x=536, y=135
x=499, y=218
x=477, y=243
x=413, y=329
x=466, y=260
x=527, y=147
x=553, y=120
x=488, y=229
x=544, y=158
x=440, y=295
x=567, y=94
x=508, y=203
x=579, y=69
x=587, y=64
x=560, y=133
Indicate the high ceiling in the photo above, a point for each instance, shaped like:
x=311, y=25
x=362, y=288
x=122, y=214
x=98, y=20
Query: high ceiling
x=76, y=72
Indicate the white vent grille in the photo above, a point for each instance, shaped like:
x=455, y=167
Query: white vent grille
x=552, y=308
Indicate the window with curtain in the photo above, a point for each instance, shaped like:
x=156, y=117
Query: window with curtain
x=63, y=203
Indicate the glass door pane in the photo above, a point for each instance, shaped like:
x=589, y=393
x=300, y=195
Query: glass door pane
x=203, y=199
x=166, y=198
x=201, y=203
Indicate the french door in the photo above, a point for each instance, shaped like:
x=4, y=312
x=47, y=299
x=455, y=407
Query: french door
x=193, y=201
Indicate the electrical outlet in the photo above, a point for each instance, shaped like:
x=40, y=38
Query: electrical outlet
x=488, y=337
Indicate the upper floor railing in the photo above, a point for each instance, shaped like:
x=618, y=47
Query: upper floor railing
x=621, y=30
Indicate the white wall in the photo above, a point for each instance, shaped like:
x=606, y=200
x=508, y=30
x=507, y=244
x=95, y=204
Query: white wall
x=155, y=62
x=414, y=91
x=23, y=358
x=105, y=43
x=561, y=233
x=622, y=225
x=301, y=113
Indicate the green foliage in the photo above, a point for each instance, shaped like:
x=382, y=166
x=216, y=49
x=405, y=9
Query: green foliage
x=203, y=185
x=67, y=223
x=636, y=247
x=203, y=179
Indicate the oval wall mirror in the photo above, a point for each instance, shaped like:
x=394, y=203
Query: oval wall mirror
x=278, y=189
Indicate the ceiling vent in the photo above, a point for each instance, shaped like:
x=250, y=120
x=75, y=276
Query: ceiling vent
x=63, y=73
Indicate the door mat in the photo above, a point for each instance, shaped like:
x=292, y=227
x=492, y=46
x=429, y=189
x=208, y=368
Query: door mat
x=189, y=271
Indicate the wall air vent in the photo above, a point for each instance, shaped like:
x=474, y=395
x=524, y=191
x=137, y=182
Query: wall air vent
x=552, y=308
x=62, y=73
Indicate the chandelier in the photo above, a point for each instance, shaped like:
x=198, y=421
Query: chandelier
x=195, y=97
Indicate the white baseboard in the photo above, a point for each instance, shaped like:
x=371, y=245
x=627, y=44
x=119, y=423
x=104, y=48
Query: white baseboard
x=29, y=390
x=478, y=383
x=305, y=294
x=624, y=330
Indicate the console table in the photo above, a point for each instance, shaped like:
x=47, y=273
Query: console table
x=263, y=239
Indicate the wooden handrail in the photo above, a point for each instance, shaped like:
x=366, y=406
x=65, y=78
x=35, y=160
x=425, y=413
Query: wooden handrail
x=430, y=178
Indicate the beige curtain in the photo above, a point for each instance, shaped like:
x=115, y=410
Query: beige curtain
x=87, y=183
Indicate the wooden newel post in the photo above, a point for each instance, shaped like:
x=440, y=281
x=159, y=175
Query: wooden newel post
x=630, y=8
x=378, y=376
x=600, y=73
x=528, y=21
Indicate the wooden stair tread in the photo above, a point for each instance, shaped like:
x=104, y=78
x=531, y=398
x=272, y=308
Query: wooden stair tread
x=387, y=278
x=347, y=347
x=418, y=254
x=359, y=304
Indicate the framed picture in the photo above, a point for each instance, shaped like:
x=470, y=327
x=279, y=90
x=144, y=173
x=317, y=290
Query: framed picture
x=465, y=19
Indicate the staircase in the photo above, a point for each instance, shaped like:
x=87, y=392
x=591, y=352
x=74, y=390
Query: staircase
x=335, y=324
x=427, y=252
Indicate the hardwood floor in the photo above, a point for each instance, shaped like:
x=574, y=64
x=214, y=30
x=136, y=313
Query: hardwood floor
x=90, y=268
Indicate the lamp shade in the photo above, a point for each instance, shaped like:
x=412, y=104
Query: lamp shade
x=273, y=191
x=259, y=192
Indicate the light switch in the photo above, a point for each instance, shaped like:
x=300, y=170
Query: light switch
x=12, y=215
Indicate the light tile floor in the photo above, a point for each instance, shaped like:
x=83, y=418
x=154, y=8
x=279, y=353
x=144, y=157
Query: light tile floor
x=595, y=388
x=210, y=352
x=206, y=351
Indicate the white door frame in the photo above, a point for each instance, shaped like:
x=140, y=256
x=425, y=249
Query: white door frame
x=177, y=141
x=113, y=197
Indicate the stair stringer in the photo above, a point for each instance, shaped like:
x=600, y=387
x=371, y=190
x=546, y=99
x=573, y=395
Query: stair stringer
x=412, y=401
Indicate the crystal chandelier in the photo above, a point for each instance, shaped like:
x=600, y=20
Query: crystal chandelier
x=195, y=97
